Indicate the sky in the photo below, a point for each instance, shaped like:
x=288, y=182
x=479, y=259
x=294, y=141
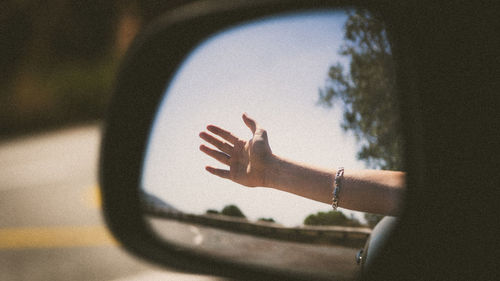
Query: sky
x=271, y=69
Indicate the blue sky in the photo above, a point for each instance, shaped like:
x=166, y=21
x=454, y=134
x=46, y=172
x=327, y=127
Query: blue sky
x=272, y=69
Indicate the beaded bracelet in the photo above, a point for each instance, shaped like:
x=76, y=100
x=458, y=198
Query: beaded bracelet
x=337, y=185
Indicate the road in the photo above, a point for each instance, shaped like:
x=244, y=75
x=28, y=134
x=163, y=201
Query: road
x=332, y=261
x=50, y=222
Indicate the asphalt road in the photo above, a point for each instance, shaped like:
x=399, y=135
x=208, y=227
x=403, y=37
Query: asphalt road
x=331, y=261
x=50, y=222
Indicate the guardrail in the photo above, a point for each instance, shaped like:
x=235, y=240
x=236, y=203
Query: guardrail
x=332, y=235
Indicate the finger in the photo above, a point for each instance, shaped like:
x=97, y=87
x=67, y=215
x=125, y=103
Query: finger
x=250, y=123
x=223, y=146
x=222, y=133
x=218, y=172
x=221, y=157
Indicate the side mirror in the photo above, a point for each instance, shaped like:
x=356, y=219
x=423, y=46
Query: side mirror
x=209, y=62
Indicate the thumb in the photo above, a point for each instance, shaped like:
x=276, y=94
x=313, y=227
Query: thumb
x=250, y=123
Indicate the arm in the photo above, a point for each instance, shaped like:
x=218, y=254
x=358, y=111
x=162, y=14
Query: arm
x=372, y=191
x=252, y=163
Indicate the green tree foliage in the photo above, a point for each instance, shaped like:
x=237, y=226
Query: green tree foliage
x=232, y=211
x=267, y=220
x=61, y=61
x=212, y=212
x=331, y=218
x=367, y=91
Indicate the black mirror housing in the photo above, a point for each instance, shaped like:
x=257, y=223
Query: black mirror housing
x=418, y=34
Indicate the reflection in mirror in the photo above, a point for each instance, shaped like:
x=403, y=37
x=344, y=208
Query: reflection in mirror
x=321, y=85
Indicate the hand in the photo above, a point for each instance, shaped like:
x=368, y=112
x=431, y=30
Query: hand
x=247, y=160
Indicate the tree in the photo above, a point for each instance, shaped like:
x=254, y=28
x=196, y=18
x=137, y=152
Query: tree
x=232, y=211
x=367, y=91
x=331, y=218
x=212, y=212
x=267, y=220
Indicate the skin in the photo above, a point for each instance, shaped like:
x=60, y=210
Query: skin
x=251, y=163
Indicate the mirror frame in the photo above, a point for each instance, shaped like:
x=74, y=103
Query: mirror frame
x=149, y=64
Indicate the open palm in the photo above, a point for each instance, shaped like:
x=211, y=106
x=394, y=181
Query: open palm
x=246, y=159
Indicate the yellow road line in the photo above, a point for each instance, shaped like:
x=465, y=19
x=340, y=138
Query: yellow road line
x=55, y=237
x=92, y=197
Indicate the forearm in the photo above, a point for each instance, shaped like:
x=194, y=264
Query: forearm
x=306, y=181
x=371, y=191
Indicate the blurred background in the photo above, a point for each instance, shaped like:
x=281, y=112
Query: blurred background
x=57, y=65
x=59, y=58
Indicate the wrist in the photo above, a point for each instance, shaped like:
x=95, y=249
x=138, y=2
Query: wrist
x=269, y=171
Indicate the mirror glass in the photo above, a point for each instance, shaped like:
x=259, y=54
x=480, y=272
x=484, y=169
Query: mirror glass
x=321, y=93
